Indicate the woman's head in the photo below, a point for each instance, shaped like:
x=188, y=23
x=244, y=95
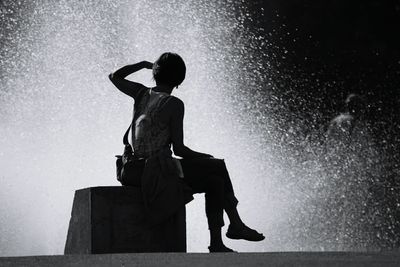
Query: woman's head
x=169, y=69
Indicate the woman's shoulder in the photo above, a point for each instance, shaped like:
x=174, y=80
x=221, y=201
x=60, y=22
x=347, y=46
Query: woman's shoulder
x=174, y=104
x=143, y=90
x=175, y=101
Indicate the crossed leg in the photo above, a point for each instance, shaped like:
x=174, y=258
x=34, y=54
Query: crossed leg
x=210, y=176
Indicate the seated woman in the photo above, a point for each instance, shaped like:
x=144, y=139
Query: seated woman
x=158, y=124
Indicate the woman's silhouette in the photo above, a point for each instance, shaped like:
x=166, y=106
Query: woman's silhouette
x=158, y=124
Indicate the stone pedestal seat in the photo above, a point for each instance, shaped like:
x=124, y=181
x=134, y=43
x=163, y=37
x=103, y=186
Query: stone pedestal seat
x=111, y=220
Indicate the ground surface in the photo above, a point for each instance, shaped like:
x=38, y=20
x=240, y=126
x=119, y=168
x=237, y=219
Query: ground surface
x=297, y=259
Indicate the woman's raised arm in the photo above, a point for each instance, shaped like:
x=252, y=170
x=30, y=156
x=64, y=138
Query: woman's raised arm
x=128, y=87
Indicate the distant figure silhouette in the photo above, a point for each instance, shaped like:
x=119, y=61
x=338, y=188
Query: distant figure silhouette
x=158, y=124
x=344, y=127
x=351, y=165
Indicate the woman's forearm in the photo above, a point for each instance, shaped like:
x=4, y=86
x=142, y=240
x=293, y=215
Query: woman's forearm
x=186, y=152
x=129, y=69
x=129, y=87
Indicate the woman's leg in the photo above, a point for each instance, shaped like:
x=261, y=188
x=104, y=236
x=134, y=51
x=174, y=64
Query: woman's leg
x=230, y=201
x=211, y=176
x=203, y=177
x=201, y=170
x=237, y=229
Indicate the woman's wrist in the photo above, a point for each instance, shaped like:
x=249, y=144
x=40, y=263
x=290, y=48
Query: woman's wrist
x=146, y=64
x=203, y=155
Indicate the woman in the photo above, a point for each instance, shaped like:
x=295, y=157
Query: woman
x=158, y=124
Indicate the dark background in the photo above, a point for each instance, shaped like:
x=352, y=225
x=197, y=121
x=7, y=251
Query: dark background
x=334, y=48
x=324, y=50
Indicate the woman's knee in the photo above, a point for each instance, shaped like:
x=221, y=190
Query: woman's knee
x=219, y=163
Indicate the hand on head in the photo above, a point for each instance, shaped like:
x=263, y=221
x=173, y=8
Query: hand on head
x=147, y=65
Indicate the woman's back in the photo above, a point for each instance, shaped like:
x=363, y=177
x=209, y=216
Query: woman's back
x=151, y=132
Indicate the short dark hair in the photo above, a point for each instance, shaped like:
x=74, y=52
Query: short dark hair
x=169, y=69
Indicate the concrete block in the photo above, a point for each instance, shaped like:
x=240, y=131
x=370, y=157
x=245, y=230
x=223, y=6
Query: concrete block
x=111, y=220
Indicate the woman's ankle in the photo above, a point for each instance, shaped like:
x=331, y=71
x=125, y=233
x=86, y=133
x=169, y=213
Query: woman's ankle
x=236, y=225
x=234, y=217
x=216, y=237
x=216, y=244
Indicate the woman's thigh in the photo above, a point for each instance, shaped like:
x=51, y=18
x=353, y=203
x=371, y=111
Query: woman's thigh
x=202, y=166
x=200, y=173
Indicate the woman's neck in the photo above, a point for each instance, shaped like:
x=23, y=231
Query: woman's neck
x=163, y=89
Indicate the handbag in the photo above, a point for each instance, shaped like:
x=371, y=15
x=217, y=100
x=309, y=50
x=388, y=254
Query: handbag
x=129, y=168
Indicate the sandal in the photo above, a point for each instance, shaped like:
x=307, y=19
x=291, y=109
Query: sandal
x=221, y=248
x=245, y=233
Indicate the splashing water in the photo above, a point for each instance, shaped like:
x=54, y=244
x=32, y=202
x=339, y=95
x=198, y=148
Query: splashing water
x=62, y=120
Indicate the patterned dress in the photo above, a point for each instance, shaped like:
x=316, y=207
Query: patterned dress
x=150, y=134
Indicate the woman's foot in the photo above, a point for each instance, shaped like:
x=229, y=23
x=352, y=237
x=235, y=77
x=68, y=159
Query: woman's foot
x=244, y=232
x=219, y=248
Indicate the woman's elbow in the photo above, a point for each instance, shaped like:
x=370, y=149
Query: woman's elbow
x=112, y=77
x=179, y=150
x=178, y=153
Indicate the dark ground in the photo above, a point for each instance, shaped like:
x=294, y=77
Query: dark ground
x=198, y=259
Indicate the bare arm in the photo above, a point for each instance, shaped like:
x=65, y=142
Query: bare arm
x=128, y=87
x=177, y=132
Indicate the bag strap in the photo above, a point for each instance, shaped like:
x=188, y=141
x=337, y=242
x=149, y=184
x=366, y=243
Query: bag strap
x=125, y=139
x=137, y=100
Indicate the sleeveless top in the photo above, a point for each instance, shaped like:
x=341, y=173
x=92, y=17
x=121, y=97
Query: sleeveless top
x=164, y=193
x=149, y=134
